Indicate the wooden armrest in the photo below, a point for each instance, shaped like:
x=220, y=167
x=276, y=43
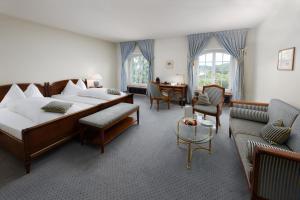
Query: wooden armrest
x=248, y=103
x=277, y=153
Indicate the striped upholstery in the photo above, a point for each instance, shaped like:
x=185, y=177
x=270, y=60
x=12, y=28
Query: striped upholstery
x=281, y=110
x=203, y=99
x=251, y=107
x=278, y=178
x=253, y=115
x=275, y=133
x=251, y=147
x=215, y=95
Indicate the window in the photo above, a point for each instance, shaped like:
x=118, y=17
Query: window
x=214, y=67
x=138, y=69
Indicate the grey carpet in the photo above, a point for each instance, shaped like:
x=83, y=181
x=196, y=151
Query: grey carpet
x=142, y=163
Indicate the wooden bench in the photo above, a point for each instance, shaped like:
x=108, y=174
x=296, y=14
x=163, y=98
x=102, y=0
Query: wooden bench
x=109, y=123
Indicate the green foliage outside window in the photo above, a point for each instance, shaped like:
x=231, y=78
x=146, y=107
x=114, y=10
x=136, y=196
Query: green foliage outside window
x=138, y=69
x=212, y=72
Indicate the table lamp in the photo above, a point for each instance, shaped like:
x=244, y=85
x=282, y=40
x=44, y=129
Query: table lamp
x=97, y=78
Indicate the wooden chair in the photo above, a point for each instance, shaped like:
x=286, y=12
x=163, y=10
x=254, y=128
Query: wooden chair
x=216, y=98
x=156, y=94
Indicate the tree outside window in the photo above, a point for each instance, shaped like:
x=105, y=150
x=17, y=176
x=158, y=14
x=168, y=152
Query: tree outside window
x=138, y=68
x=214, y=67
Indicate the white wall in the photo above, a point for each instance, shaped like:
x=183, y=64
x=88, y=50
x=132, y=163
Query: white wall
x=31, y=52
x=175, y=49
x=170, y=49
x=279, y=31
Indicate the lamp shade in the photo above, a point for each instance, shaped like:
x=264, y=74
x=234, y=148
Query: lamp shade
x=97, y=77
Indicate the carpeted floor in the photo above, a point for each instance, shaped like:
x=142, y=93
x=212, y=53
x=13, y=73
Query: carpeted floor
x=142, y=163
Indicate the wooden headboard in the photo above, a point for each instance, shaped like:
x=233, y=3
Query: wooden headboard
x=58, y=86
x=4, y=88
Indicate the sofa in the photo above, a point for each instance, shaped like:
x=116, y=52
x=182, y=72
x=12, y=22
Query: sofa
x=273, y=173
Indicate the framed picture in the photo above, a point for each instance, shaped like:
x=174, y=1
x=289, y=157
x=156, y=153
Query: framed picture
x=286, y=59
x=170, y=64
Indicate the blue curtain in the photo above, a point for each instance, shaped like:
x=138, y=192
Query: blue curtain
x=147, y=49
x=126, y=49
x=234, y=42
x=196, y=43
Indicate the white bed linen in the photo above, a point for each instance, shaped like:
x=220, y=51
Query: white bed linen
x=14, y=123
x=99, y=93
x=79, y=99
x=30, y=108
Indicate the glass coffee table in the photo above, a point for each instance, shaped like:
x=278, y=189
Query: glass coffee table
x=195, y=136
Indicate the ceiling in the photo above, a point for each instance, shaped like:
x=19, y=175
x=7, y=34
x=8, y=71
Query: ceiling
x=123, y=20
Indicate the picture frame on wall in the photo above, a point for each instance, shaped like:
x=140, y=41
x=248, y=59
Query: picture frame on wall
x=286, y=59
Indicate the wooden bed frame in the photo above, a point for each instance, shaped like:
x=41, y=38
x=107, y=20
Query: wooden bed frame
x=41, y=138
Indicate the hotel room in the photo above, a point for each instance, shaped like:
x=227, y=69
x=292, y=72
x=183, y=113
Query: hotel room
x=149, y=99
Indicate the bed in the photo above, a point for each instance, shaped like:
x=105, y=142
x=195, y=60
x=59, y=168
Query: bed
x=35, y=139
x=93, y=96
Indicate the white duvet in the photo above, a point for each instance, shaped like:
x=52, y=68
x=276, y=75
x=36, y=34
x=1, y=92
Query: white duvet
x=14, y=123
x=30, y=108
x=79, y=99
x=99, y=93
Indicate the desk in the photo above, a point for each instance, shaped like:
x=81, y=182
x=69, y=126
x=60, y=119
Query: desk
x=178, y=91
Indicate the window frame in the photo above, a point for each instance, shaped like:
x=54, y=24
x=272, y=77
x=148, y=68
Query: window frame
x=128, y=65
x=214, y=52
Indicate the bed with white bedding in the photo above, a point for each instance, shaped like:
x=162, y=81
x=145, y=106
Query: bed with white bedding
x=78, y=99
x=28, y=132
x=14, y=123
x=26, y=113
x=80, y=93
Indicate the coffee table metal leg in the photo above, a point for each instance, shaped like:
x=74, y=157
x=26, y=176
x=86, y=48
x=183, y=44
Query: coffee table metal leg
x=189, y=158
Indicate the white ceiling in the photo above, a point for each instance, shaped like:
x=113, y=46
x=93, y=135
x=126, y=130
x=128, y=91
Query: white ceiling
x=123, y=20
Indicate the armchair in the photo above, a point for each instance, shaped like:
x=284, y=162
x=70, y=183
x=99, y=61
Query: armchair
x=156, y=94
x=216, y=97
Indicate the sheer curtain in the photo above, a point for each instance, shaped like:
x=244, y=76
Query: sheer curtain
x=126, y=49
x=147, y=49
x=196, y=44
x=234, y=42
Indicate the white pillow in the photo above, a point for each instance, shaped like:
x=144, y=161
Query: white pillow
x=81, y=84
x=32, y=91
x=2, y=105
x=71, y=89
x=13, y=94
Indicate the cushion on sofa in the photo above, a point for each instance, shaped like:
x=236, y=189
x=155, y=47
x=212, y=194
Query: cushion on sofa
x=248, y=114
x=294, y=140
x=251, y=107
x=203, y=99
x=276, y=133
x=238, y=126
x=280, y=110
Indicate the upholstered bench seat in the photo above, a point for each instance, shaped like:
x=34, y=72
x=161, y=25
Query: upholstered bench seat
x=105, y=117
x=109, y=122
